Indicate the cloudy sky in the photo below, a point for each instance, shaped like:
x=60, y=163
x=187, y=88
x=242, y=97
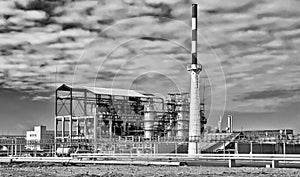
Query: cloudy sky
x=249, y=50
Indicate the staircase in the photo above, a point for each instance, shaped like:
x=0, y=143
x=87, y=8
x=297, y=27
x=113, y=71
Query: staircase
x=217, y=141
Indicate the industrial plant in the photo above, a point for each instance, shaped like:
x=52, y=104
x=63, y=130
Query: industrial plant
x=103, y=115
x=93, y=120
x=132, y=121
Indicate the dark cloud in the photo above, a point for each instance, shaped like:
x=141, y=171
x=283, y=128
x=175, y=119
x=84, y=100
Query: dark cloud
x=267, y=94
x=240, y=9
x=107, y=76
x=152, y=38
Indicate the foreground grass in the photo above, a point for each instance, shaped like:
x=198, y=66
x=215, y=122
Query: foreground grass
x=127, y=170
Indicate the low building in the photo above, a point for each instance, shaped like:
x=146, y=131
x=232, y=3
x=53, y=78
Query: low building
x=39, y=138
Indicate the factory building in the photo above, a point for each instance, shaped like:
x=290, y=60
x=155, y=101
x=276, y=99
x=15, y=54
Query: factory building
x=89, y=114
x=131, y=121
x=39, y=138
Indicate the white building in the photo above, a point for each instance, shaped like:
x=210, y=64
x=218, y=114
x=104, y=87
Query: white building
x=38, y=138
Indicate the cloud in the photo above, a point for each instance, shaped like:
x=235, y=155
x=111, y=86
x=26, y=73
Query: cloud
x=245, y=43
x=279, y=93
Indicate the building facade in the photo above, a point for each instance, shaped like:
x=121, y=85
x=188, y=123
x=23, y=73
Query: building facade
x=39, y=138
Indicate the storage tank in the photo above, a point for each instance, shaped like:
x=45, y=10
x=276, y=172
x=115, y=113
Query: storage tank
x=182, y=119
x=149, y=118
x=64, y=151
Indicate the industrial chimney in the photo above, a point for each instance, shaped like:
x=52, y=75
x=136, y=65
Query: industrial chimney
x=194, y=69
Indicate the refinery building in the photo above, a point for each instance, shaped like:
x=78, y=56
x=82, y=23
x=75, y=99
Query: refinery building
x=102, y=115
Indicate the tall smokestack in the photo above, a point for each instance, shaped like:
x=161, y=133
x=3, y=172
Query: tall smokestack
x=194, y=69
x=194, y=33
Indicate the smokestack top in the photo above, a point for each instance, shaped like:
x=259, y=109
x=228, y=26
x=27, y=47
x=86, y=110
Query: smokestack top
x=194, y=10
x=194, y=33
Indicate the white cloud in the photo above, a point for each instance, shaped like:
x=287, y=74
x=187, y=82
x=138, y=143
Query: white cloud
x=252, y=42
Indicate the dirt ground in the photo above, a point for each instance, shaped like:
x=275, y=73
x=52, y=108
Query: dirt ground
x=47, y=170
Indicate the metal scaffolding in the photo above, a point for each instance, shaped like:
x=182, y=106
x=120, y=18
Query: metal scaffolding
x=87, y=113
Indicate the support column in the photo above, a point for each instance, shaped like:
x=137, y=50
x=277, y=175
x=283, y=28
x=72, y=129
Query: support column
x=236, y=147
x=16, y=147
x=70, y=128
x=71, y=115
x=231, y=163
x=55, y=121
x=95, y=128
x=85, y=128
x=20, y=149
x=85, y=104
x=63, y=129
x=125, y=127
x=251, y=147
x=100, y=125
x=55, y=131
x=77, y=127
x=110, y=129
x=275, y=163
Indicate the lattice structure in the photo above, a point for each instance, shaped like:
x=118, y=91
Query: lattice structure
x=86, y=113
x=177, y=115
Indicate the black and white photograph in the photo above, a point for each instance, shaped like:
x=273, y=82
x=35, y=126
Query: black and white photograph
x=123, y=88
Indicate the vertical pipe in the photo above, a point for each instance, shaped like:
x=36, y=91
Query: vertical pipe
x=71, y=114
x=100, y=125
x=55, y=120
x=236, y=147
x=56, y=102
x=70, y=128
x=149, y=118
x=55, y=131
x=12, y=147
x=125, y=127
x=63, y=128
x=194, y=121
x=110, y=129
x=85, y=127
x=85, y=103
x=95, y=130
x=230, y=124
x=16, y=147
x=77, y=127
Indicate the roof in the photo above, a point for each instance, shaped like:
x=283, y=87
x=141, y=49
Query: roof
x=107, y=91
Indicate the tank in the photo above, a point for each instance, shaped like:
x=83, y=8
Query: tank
x=149, y=118
x=182, y=121
x=64, y=151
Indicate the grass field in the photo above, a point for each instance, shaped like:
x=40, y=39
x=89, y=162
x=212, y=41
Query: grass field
x=140, y=171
